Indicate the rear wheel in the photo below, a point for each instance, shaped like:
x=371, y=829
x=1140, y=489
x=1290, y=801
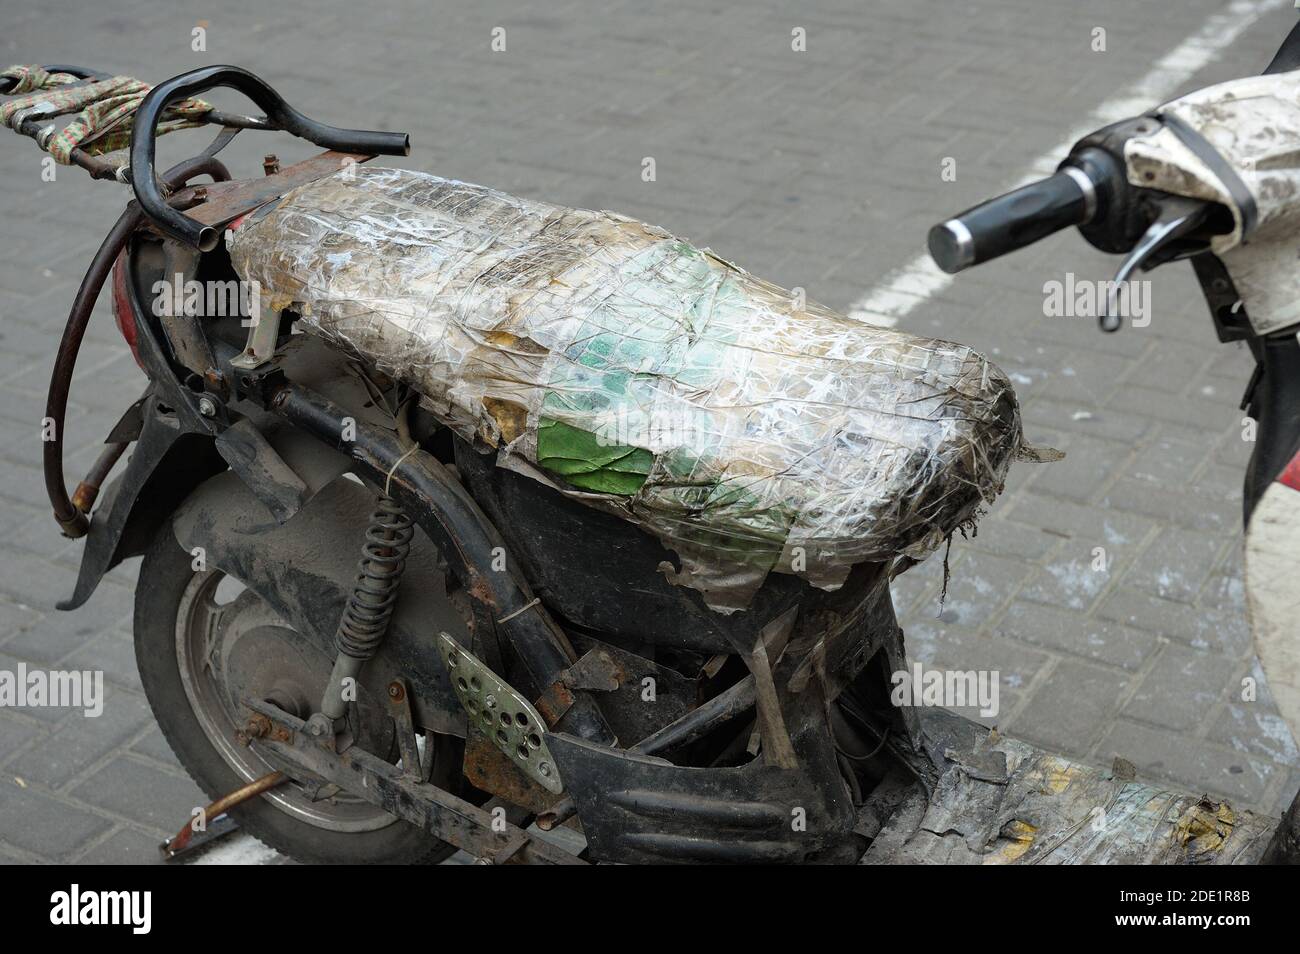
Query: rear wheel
x=204, y=643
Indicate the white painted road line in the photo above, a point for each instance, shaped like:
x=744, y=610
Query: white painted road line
x=920, y=279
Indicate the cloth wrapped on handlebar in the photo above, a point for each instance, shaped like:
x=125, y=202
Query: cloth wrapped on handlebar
x=747, y=430
x=105, y=109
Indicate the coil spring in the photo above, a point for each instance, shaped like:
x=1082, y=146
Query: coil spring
x=383, y=558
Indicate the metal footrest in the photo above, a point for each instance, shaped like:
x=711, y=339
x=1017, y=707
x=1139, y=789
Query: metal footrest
x=505, y=716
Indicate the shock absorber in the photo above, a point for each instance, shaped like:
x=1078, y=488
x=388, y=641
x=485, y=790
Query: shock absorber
x=370, y=605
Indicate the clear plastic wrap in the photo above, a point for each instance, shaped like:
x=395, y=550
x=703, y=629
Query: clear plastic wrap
x=746, y=430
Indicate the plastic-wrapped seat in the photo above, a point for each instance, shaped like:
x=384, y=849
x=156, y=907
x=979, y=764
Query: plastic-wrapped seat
x=745, y=429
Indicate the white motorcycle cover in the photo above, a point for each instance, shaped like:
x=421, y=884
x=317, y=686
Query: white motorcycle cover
x=1254, y=125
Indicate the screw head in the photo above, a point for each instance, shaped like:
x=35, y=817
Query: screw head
x=207, y=407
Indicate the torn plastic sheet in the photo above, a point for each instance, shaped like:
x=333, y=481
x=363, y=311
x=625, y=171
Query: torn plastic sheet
x=1002, y=801
x=746, y=430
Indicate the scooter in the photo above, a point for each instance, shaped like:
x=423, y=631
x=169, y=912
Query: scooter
x=475, y=523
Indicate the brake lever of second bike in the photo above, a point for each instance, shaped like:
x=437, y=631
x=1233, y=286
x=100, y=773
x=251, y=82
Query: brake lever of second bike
x=1178, y=218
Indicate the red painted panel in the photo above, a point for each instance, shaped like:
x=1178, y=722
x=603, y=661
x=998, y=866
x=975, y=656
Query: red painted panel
x=122, y=313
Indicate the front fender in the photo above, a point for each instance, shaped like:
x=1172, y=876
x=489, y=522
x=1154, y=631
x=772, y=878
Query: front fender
x=167, y=462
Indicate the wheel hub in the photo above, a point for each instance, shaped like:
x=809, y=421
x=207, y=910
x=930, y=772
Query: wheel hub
x=232, y=646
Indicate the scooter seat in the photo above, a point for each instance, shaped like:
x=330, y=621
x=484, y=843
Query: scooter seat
x=748, y=430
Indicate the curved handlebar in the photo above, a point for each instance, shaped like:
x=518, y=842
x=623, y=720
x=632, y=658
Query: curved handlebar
x=155, y=104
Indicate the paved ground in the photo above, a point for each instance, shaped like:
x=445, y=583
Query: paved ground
x=818, y=169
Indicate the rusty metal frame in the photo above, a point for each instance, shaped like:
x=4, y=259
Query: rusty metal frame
x=430, y=808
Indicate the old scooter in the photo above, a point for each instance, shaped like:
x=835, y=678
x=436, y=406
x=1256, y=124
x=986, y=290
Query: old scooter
x=473, y=522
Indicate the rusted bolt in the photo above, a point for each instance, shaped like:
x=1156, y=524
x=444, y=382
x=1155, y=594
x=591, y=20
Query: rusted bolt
x=283, y=735
x=216, y=382
x=396, y=692
x=256, y=727
x=271, y=164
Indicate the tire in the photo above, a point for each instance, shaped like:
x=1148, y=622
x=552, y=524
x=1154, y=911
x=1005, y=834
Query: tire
x=165, y=575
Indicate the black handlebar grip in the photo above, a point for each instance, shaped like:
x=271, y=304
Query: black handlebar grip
x=1012, y=221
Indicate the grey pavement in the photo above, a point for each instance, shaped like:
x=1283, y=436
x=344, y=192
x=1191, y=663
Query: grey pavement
x=818, y=169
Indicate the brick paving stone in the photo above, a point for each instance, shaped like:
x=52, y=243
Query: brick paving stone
x=16, y=733
x=57, y=635
x=154, y=746
x=1213, y=512
x=125, y=846
x=1179, y=687
x=113, y=653
x=955, y=648
x=1092, y=466
x=142, y=793
x=1059, y=630
x=80, y=741
x=1203, y=628
x=43, y=824
x=1070, y=707
x=1168, y=462
x=1004, y=538
x=1177, y=564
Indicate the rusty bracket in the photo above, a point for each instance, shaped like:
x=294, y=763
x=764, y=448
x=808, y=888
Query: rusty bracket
x=184, y=332
x=596, y=671
x=507, y=851
x=228, y=201
x=399, y=704
x=430, y=808
x=263, y=334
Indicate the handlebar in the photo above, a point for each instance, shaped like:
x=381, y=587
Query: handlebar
x=80, y=72
x=1011, y=221
x=285, y=117
x=1071, y=196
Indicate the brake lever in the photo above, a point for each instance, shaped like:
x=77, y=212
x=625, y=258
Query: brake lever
x=1178, y=218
